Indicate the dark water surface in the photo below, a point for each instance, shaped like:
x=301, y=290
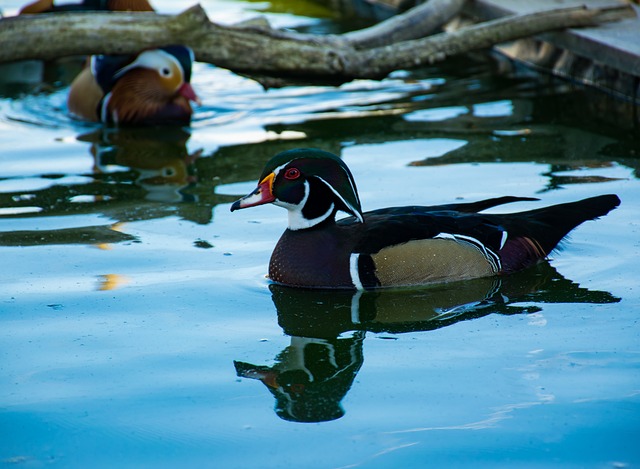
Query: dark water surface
x=137, y=327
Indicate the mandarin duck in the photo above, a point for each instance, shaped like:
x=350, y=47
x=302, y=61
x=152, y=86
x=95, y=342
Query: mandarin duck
x=150, y=88
x=398, y=246
x=48, y=6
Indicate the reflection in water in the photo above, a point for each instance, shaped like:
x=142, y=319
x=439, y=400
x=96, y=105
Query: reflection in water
x=314, y=373
x=138, y=174
x=102, y=236
x=36, y=76
x=158, y=156
x=311, y=376
x=143, y=174
x=111, y=282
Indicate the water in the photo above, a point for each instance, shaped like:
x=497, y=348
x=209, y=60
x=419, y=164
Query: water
x=137, y=321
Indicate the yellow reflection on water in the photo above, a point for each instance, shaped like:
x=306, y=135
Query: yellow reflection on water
x=109, y=282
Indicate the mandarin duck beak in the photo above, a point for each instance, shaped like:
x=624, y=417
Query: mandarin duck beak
x=187, y=91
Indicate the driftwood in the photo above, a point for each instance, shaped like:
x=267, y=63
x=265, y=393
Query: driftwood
x=397, y=43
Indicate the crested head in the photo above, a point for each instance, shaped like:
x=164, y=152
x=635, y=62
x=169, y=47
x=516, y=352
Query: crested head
x=164, y=63
x=152, y=87
x=185, y=57
x=172, y=63
x=311, y=184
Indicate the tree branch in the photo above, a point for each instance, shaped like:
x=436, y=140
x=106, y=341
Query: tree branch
x=418, y=22
x=370, y=53
x=409, y=54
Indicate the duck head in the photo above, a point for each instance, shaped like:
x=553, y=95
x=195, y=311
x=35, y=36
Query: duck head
x=150, y=88
x=155, y=87
x=313, y=185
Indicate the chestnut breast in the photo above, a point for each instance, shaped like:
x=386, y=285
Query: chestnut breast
x=314, y=258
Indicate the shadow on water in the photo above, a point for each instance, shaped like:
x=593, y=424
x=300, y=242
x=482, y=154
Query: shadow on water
x=314, y=373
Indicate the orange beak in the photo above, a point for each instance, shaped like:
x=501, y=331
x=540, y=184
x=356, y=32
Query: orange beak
x=261, y=195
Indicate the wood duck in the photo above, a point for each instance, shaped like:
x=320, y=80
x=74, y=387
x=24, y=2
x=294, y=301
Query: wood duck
x=150, y=88
x=399, y=246
x=48, y=6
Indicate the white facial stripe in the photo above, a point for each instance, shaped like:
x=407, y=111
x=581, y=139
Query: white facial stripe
x=353, y=271
x=92, y=63
x=153, y=59
x=277, y=170
x=297, y=221
x=354, y=190
x=297, y=206
x=353, y=209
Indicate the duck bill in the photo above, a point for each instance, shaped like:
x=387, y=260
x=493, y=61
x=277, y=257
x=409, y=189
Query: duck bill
x=263, y=373
x=188, y=92
x=262, y=195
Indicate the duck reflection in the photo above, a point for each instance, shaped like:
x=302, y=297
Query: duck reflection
x=313, y=374
x=138, y=174
x=159, y=157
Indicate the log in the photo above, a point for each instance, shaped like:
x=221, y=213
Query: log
x=261, y=50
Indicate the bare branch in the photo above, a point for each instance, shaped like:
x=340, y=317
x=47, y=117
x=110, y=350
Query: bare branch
x=409, y=54
x=259, y=49
x=418, y=22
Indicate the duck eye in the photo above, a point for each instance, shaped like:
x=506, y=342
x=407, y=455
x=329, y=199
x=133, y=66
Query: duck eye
x=292, y=173
x=165, y=72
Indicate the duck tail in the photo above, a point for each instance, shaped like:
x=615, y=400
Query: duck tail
x=557, y=221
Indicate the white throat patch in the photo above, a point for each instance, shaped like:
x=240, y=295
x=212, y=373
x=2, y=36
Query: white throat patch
x=297, y=221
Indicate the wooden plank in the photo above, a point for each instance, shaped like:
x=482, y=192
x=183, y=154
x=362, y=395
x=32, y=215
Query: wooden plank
x=616, y=44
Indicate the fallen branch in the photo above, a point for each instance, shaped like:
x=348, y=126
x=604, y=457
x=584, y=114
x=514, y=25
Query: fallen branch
x=371, y=53
x=418, y=22
x=409, y=54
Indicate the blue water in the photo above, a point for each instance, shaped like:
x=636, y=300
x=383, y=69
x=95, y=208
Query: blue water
x=136, y=319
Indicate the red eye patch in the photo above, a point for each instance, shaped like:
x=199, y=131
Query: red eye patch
x=292, y=173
